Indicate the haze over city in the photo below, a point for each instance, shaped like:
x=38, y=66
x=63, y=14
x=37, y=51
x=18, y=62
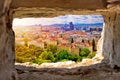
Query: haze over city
x=76, y=19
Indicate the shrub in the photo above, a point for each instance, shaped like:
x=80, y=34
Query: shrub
x=84, y=52
x=47, y=56
x=40, y=61
x=64, y=60
x=79, y=59
x=36, y=51
x=73, y=57
x=26, y=54
x=91, y=55
x=37, y=55
x=22, y=59
x=63, y=54
x=52, y=48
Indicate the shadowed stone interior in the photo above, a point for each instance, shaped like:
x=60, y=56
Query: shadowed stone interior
x=83, y=4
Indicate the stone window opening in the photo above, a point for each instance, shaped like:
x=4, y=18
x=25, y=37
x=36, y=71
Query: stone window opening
x=109, y=43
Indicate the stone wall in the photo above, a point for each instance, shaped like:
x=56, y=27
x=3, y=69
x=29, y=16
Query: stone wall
x=73, y=4
x=7, y=55
x=115, y=51
x=109, y=44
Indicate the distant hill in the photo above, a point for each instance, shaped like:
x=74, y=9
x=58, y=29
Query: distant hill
x=96, y=24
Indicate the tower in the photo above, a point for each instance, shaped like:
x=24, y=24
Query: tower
x=71, y=26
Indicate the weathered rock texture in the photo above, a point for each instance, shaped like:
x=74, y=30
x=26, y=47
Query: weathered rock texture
x=73, y=4
x=7, y=58
x=112, y=38
x=109, y=44
x=106, y=45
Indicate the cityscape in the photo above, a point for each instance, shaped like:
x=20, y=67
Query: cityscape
x=69, y=36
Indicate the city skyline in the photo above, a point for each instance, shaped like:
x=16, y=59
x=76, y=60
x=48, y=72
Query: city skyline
x=76, y=19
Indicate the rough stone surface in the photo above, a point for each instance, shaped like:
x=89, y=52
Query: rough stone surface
x=92, y=72
x=73, y=4
x=115, y=55
x=7, y=58
x=108, y=46
x=68, y=64
x=99, y=54
x=111, y=37
x=52, y=12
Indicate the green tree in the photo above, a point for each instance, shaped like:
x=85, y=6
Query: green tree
x=23, y=54
x=79, y=59
x=93, y=45
x=36, y=50
x=63, y=54
x=79, y=50
x=47, y=56
x=71, y=40
x=73, y=57
x=84, y=52
x=52, y=48
x=27, y=54
x=91, y=55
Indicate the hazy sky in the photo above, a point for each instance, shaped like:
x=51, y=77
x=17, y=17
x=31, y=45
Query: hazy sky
x=83, y=19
